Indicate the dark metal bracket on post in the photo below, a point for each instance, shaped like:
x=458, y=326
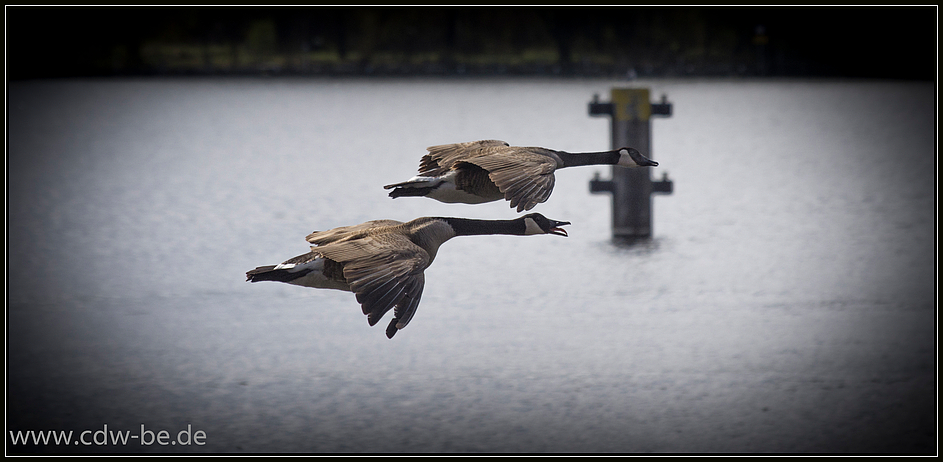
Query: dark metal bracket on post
x=631, y=111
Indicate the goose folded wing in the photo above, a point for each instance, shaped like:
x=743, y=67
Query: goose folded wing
x=524, y=180
x=443, y=157
x=385, y=272
x=347, y=232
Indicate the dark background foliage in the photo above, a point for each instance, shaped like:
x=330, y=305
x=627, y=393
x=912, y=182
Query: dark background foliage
x=878, y=42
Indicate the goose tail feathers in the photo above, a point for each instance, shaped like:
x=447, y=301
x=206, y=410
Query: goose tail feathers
x=270, y=273
x=417, y=186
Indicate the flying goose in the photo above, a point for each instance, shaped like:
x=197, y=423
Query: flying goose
x=483, y=171
x=382, y=261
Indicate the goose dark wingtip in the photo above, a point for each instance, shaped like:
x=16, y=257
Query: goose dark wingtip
x=391, y=328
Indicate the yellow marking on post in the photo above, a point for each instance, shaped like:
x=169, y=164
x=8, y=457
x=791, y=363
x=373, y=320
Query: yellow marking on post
x=631, y=104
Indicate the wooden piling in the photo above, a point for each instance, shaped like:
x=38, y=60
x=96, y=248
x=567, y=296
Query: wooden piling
x=631, y=111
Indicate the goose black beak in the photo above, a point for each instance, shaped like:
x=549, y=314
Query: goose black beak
x=557, y=230
x=641, y=160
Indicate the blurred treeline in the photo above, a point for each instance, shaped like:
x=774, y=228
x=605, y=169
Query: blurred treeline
x=618, y=42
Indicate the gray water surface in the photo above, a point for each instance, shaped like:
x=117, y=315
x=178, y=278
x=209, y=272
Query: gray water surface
x=785, y=304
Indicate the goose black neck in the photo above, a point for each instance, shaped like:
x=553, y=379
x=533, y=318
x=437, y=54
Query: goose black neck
x=571, y=159
x=472, y=227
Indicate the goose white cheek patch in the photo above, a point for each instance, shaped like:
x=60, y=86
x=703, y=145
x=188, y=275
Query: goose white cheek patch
x=531, y=227
x=625, y=159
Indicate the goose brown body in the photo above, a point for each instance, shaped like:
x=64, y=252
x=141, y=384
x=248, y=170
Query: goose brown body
x=383, y=261
x=489, y=170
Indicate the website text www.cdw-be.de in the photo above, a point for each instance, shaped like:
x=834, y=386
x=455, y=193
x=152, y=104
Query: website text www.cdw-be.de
x=109, y=437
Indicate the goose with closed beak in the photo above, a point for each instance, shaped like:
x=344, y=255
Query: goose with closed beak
x=489, y=170
x=383, y=261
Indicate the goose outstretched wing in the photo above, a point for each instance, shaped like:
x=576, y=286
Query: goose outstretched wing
x=525, y=178
x=443, y=157
x=385, y=272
